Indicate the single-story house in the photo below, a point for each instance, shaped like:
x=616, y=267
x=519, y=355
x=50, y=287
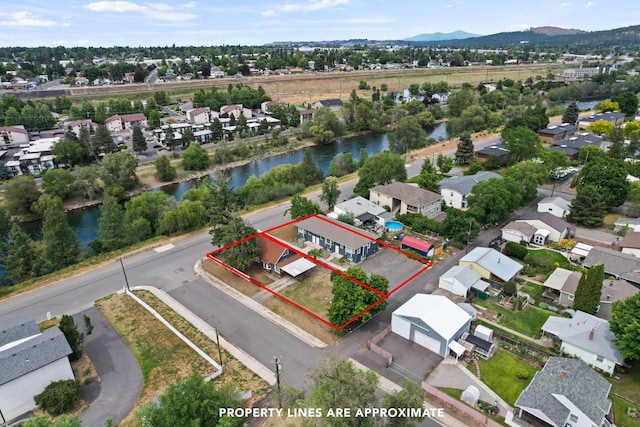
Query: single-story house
x=455, y=190
x=277, y=258
x=556, y=133
x=615, y=117
x=432, y=321
x=334, y=104
x=556, y=206
x=561, y=286
x=626, y=224
x=556, y=228
x=579, y=252
x=616, y=264
x=459, y=279
x=630, y=244
x=614, y=290
x=566, y=392
x=422, y=247
x=13, y=135
x=571, y=146
x=586, y=337
x=406, y=198
x=352, y=243
x=491, y=264
x=497, y=151
x=363, y=211
x=30, y=361
x=518, y=232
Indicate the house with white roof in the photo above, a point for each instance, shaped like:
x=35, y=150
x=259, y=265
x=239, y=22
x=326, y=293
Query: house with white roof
x=433, y=322
x=586, y=337
x=35, y=158
x=363, y=211
x=491, y=264
x=556, y=206
x=455, y=190
x=566, y=392
x=30, y=360
x=459, y=279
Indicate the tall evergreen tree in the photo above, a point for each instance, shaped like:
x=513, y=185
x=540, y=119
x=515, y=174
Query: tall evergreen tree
x=101, y=141
x=464, y=153
x=111, y=232
x=589, y=207
x=571, y=114
x=23, y=259
x=139, y=143
x=589, y=290
x=61, y=244
x=309, y=171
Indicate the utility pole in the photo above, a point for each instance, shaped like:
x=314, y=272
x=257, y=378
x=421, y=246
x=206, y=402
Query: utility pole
x=219, y=350
x=126, y=281
x=469, y=235
x=278, y=369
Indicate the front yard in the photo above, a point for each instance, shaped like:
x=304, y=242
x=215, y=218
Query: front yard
x=505, y=374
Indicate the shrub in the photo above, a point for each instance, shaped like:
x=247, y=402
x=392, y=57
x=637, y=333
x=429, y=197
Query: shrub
x=58, y=397
x=509, y=289
x=74, y=337
x=523, y=375
x=515, y=250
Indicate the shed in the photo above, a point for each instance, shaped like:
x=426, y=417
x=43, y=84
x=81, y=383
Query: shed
x=471, y=395
x=431, y=321
x=483, y=332
x=423, y=248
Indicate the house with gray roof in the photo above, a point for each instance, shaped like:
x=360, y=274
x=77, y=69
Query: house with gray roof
x=586, y=337
x=631, y=243
x=491, y=264
x=556, y=133
x=459, y=279
x=404, y=198
x=363, y=211
x=556, y=206
x=518, y=232
x=352, y=243
x=548, y=227
x=616, y=264
x=615, y=117
x=30, y=360
x=455, y=190
x=566, y=392
x=497, y=151
x=626, y=224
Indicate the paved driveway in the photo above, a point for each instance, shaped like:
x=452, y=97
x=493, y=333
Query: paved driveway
x=117, y=367
x=394, y=265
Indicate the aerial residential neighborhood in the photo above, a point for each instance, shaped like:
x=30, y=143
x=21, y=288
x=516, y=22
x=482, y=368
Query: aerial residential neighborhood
x=297, y=214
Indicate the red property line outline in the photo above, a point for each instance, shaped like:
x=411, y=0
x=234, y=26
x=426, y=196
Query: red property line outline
x=264, y=234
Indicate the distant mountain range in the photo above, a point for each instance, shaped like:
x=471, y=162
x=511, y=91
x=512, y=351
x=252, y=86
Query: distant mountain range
x=428, y=37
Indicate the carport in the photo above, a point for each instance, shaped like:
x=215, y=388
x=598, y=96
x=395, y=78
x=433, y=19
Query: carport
x=298, y=267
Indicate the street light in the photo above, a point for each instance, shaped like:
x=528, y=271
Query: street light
x=126, y=281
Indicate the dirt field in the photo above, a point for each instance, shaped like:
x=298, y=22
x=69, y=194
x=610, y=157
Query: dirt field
x=234, y=280
x=288, y=233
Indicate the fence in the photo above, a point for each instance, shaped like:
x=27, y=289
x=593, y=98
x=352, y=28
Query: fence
x=373, y=345
x=521, y=344
x=459, y=406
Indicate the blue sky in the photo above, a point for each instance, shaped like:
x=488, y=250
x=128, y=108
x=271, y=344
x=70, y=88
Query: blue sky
x=214, y=22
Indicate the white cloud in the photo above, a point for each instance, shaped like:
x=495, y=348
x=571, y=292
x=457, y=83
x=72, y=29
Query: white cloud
x=190, y=5
x=158, y=11
x=565, y=4
x=23, y=19
x=589, y=4
x=83, y=42
x=311, y=5
x=269, y=13
x=66, y=24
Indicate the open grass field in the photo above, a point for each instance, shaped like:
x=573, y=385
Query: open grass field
x=164, y=359
x=507, y=375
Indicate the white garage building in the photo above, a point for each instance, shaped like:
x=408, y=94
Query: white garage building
x=432, y=321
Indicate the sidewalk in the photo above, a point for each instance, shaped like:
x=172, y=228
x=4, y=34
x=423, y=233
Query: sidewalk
x=259, y=308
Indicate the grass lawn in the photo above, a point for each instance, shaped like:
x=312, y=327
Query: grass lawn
x=532, y=289
x=543, y=260
x=528, y=321
x=620, y=413
x=453, y=392
x=501, y=373
x=628, y=387
x=312, y=292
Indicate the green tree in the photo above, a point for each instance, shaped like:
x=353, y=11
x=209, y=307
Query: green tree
x=164, y=170
x=70, y=153
x=120, y=169
x=301, y=207
x=234, y=229
x=607, y=105
x=87, y=180
x=20, y=193
x=154, y=119
x=61, y=246
x=589, y=207
x=194, y=157
x=408, y=135
x=342, y=164
x=23, y=259
x=460, y=226
x=445, y=163
x=170, y=140
x=337, y=383
x=102, y=142
x=149, y=206
x=192, y=402
x=59, y=183
x=610, y=176
x=571, y=114
x=189, y=215
x=74, y=337
x=330, y=191
x=601, y=127
x=459, y=101
x=410, y=395
x=493, y=200
x=522, y=143
x=111, y=232
x=347, y=218
x=62, y=421
x=589, y=290
x=58, y=397
x=626, y=327
x=384, y=168
x=530, y=175
x=139, y=142
x=310, y=173
x=464, y=153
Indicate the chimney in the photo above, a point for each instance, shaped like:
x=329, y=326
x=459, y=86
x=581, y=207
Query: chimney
x=563, y=374
x=591, y=334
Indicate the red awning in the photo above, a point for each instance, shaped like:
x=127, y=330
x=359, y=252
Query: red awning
x=417, y=244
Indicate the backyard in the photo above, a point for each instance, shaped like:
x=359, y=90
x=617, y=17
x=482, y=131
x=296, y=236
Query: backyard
x=527, y=321
x=505, y=374
x=540, y=263
x=628, y=387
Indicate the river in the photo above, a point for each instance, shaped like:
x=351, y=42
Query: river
x=85, y=221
